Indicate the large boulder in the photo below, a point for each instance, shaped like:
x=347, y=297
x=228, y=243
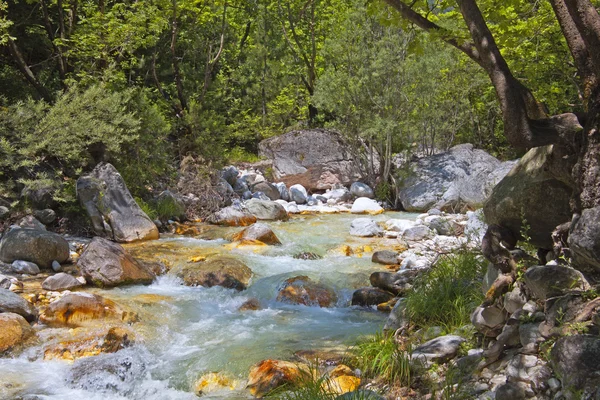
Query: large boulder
x=440, y=349
x=106, y=264
x=258, y=232
x=270, y=190
x=303, y=290
x=462, y=177
x=547, y=281
x=267, y=210
x=575, y=362
x=533, y=193
x=222, y=271
x=298, y=194
x=13, y=303
x=270, y=374
x=359, y=189
x=81, y=309
x=584, y=242
x=231, y=216
x=13, y=330
x=36, y=246
x=112, y=209
x=316, y=159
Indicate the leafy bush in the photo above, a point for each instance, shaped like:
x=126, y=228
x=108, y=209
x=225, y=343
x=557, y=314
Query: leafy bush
x=447, y=294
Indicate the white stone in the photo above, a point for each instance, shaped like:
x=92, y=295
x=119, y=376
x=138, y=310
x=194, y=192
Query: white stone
x=364, y=205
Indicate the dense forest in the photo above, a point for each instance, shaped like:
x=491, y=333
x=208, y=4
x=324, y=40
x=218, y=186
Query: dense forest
x=143, y=83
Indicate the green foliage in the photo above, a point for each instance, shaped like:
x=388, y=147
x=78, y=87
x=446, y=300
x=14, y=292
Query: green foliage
x=380, y=356
x=447, y=294
x=146, y=208
x=311, y=385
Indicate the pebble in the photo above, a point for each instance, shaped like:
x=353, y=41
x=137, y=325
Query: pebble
x=56, y=266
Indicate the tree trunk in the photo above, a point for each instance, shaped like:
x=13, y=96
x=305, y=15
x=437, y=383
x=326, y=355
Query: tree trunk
x=26, y=71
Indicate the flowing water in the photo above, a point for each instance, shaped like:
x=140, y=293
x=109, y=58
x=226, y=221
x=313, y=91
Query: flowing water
x=184, y=332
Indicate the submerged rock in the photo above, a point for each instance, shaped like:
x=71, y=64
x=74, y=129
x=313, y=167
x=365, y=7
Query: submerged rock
x=365, y=227
x=223, y=271
x=87, y=344
x=213, y=382
x=231, y=216
x=303, y=290
x=370, y=296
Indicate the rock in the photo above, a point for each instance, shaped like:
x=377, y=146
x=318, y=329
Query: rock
x=231, y=216
x=307, y=255
x=396, y=283
x=270, y=374
x=397, y=318
x=213, y=382
x=106, y=264
x=268, y=189
x=40, y=194
x=267, y=210
x=13, y=303
x=316, y=159
x=250, y=305
x=399, y=225
x=489, y=320
x=80, y=309
x=60, y=282
x=365, y=227
x=312, y=201
x=584, y=242
x=89, y=343
x=341, y=384
x=6, y=281
x=14, y=330
x=524, y=195
x=476, y=227
x=529, y=335
x=385, y=257
x=30, y=222
x=224, y=189
x=38, y=247
x=240, y=187
x=259, y=232
x=417, y=233
x=222, y=271
x=46, y=216
x=370, y=296
x=514, y=300
x=284, y=194
x=303, y=290
x=439, y=350
x=364, y=205
x=56, y=267
x=170, y=206
x=298, y=194
x=260, y=196
x=575, y=362
x=510, y=391
x=339, y=195
x=230, y=174
x=113, y=211
x=441, y=225
x=553, y=280
x=361, y=394
x=359, y=189
x=462, y=177
x=25, y=267
x=4, y=212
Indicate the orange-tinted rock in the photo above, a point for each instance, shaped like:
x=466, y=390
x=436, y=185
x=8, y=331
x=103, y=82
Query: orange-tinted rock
x=250, y=305
x=14, y=330
x=302, y=290
x=341, y=384
x=230, y=216
x=90, y=344
x=212, y=382
x=341, y=370
x=223, y=271
x=79, y=309
x=270, y=374
x=260, y=232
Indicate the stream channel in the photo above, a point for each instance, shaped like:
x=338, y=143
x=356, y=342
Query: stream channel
x=185, y=332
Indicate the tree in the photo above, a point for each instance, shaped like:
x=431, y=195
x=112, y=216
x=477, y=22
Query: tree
x=526, y=122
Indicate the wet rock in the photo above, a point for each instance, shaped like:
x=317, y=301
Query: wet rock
x=231, y=216
x=266, y=210
x=106, y=264
x=46, y=216
x=341, y=384
x=284, y=193
x=258, y=232
x=397, y=318
x=307, y=255
x=30, y=222
x=25, y=267
x=553, y=280
x=13, y=303
x=88, y=344
x=359, y=189
x=250, y=305
x=111, y=207
x=385, y=257
x=270, y=374
x=14, y=330
x=365, y=227
x=212, y=382
x=298, y=194
x=60, y=282
x=222, y=271
x=417, y=233
x=39, y=247
x=396, y=283
x=439, y=350
x=364, y=205
x=489, y=320
x=80, y=309
x=575, y=362
x=370, y=296
x=303, y=290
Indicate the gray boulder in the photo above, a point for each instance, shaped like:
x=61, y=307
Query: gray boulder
x=25, y=267
x=397, y=283
x=417, y=232
x=266, y=210
x=107, y=264
x=298, y=194
x=440, y=349
x=240, y=187
x=171, y=202
x=397, y=318
x=268, y=189
x=46, y=216
x=222, y=271
x=260, y=196
x=60, y=282
x=385, y=257
x=532, y=192
x=40, y=195
x=553, y=280
x=489, y=320
x=359, y=189
x=12, y=302
x=258, y=232
x=284, y=193
x=30, y=222
x=462, y=177
x=370, y=296
x=365, y=227
x=575, y=361
x=112, y=209
x=584, y=242
x=231, y=216
x=316, y=159
x=230, y=174
x=39, y=247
